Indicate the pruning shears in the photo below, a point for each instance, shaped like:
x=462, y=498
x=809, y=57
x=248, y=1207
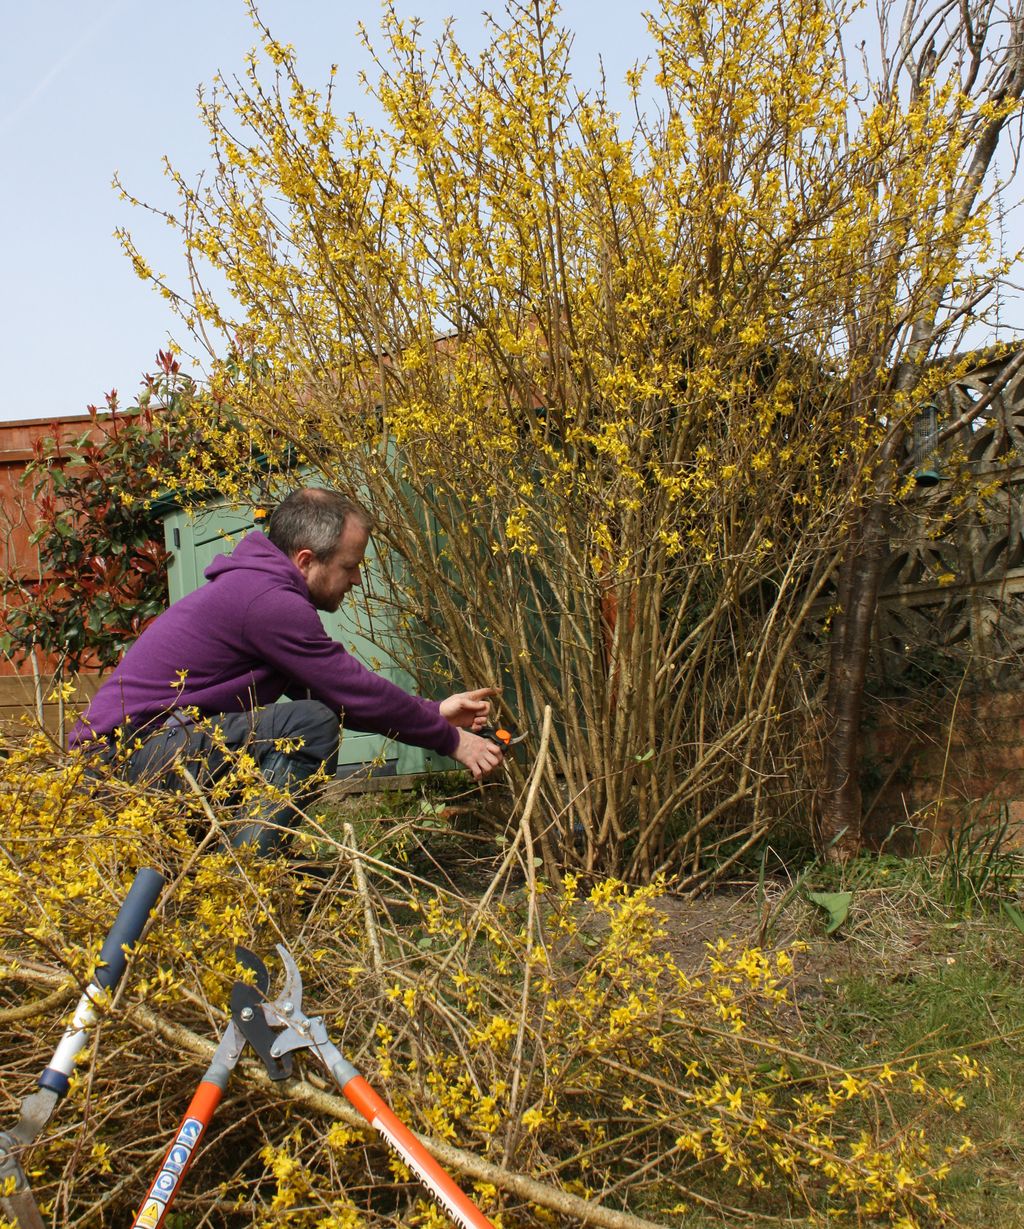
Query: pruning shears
x=504, y=737
x=277, y=1029
x=17, y=1201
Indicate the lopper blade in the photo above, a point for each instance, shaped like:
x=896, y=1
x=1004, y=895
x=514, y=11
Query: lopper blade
x=247, y=1015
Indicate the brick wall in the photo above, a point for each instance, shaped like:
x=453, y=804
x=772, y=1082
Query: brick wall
x=930, y=767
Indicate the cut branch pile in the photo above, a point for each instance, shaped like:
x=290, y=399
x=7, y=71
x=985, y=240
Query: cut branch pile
x=542, y=1040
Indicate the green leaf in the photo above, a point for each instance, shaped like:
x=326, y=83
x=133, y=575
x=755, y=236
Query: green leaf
x=835, y=904
x=1015, y=916
x=647, y=755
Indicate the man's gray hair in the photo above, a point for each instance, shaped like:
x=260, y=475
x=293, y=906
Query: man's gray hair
x=312, y=518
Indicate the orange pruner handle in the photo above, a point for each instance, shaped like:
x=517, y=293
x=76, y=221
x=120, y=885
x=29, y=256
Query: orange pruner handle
x=498, y=734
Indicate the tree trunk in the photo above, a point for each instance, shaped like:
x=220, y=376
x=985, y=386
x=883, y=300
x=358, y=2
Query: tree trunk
x=840, y=828
x=840, y=821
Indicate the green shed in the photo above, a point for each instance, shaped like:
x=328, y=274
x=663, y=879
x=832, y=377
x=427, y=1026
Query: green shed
x=363, y=625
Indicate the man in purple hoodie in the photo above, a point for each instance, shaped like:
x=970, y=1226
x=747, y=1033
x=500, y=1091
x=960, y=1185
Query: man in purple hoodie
x=201, y=680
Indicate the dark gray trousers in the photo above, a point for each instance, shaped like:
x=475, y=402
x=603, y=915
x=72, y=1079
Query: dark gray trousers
x=204, y=748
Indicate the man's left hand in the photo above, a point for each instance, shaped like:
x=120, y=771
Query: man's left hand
x=469, y=710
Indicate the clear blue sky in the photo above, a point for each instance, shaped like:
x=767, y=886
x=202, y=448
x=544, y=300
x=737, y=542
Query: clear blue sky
x=90, y=89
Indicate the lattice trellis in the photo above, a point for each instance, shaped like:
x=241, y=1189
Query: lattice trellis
x=952, y=596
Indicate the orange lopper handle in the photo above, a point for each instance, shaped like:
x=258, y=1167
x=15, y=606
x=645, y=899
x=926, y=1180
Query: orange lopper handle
x=179, y=1156
x=375, y=1110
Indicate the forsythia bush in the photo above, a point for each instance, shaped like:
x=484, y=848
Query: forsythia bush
x=549, y=1031
x=615, y=384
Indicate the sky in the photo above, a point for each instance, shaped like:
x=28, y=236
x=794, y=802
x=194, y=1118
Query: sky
x=87, y=90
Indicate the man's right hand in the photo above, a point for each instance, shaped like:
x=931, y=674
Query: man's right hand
x=479, y=755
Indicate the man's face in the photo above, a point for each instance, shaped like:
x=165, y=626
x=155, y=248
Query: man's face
x=328, y=582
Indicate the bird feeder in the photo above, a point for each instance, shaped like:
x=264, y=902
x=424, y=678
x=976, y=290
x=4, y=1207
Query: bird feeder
x=926, y=445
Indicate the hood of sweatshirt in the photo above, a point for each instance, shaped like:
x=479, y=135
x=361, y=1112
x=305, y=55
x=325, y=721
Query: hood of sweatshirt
x=257, y=554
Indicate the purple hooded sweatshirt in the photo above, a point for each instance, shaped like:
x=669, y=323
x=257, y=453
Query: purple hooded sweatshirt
x=247, y=638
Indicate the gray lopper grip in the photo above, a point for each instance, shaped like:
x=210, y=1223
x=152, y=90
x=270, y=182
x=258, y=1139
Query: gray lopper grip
x=125, y=932
x=127, y=927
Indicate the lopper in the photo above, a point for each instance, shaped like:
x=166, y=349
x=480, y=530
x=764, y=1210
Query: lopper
x=278, y=1029
x=17, y=1201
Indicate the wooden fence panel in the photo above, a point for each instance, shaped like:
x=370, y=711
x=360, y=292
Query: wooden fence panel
x=21, y=698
